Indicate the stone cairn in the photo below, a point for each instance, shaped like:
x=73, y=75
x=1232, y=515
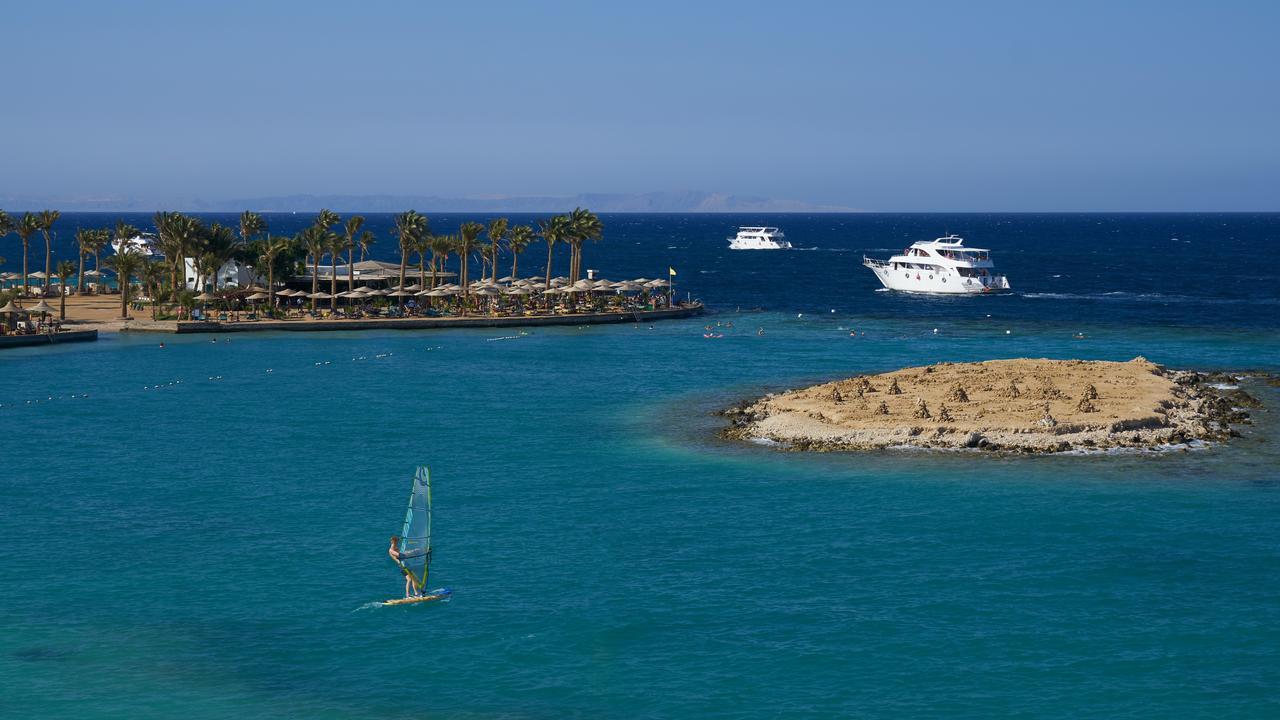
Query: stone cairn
x=1047, y=420
x=894, y=389
x=922, y=410
x=944, y=414
x=958, y=394
x=864, y=385
x=1086, y=399
x=1049, y=391
x=1011, y=391
x=883, y=409
x=836, y=396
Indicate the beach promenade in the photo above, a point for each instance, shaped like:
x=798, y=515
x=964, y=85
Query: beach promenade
x=417, y=323
x=88, y=315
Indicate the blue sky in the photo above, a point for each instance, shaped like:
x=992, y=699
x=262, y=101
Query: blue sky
x=883, y=106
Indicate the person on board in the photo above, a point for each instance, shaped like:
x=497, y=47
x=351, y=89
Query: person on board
x=394, y=552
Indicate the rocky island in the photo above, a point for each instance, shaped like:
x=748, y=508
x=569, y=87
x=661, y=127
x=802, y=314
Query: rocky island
x=1020, y=405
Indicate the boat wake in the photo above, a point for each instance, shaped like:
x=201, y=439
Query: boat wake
x=445, y=596
x=1123, y=296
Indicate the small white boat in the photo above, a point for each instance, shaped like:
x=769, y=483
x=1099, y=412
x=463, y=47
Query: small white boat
x=145, y=244
x=759, y=238
x=941, y=266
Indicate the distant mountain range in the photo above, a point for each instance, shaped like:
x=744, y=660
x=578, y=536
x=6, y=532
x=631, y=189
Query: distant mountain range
x=656, y=202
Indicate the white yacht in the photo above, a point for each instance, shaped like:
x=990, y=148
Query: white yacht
x=759, y=238
x=944, y=265
x=145, y=244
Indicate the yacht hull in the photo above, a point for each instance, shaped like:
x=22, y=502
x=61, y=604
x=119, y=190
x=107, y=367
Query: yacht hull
x=944, y=282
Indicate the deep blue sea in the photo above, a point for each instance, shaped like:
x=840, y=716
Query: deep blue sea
x=199, y=530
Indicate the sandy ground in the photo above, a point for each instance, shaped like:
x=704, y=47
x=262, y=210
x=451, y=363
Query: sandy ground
x=88, y=312
x=1023, y=405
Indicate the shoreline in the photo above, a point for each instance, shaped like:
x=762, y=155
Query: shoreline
x=185, y=327
x=1019, y=406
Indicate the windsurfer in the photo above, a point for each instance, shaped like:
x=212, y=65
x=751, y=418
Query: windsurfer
x=394, y=552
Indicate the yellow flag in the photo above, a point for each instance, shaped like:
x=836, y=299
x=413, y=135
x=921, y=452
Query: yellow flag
x=672, y=271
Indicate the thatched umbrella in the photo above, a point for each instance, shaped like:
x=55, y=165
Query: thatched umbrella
x=43, y=308
x=12, y=310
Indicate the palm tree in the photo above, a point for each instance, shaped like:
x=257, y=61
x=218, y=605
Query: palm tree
x=166, y=228
x=467, y=234
x=553, y=230
x=497, y=232
x=269, y=250
x=352, y=234
x=101, y=239
x=583, y=225
x=178, y=235
x=84, y=238
x=421, y=245
x=521, y=236
x=251, y=223
x=335, y=245
x=47, y=218
x=153, y=272
x=6, y=226
x=26, y=226
x=365, y=241
x=127, y=263
x=483, y=249
x=220, y=246
x=315, y=240
x=440, y=246
x=409, y=226
x=64, y=270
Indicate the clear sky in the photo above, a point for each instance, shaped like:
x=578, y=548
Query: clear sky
x=876, y=105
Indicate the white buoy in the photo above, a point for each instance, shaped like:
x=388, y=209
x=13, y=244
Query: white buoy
x=1007, y=332
x=935, y=331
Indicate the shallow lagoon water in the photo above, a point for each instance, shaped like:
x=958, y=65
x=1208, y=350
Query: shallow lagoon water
x=209, y=547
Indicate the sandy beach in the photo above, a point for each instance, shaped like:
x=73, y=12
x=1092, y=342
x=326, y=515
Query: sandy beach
x=102, y=313
x=1019, y=405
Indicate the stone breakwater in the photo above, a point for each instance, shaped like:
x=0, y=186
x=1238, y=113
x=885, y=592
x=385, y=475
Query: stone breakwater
x=1019, y=406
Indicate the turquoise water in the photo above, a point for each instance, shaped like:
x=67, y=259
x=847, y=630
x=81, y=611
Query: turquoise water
x=209, y=548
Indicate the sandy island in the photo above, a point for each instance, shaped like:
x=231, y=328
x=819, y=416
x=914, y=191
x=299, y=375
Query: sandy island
x=1018, y=405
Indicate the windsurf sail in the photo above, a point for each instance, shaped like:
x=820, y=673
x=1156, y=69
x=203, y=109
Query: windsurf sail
x=415, y=536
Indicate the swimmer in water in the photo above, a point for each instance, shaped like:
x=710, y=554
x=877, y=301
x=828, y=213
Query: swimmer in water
x=759, y=331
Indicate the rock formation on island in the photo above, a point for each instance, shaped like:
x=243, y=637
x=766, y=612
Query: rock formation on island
x=1020, y=405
